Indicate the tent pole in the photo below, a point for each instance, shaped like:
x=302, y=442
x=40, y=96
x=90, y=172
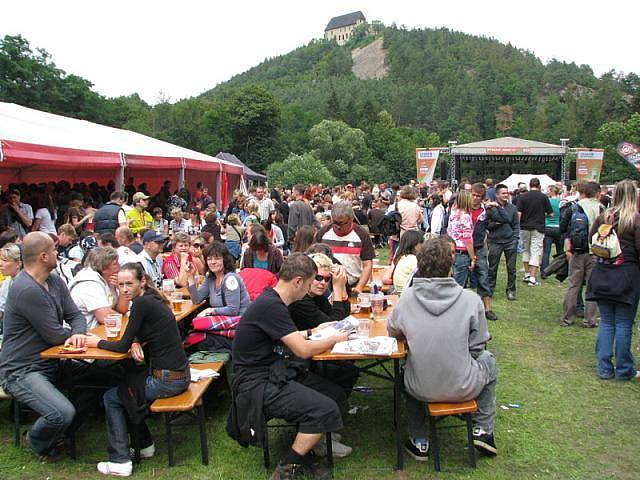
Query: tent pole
x=1, y=152
x=219, y=188
x=120, y=175
x=181, y=175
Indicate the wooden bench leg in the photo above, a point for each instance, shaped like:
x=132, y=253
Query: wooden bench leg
x=167, y=425
x=435, y=448
x=204, y=449
x=472, y=449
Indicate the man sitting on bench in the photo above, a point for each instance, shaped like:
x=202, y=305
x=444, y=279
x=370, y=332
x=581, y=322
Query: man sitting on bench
x=269, y=383
x=446, y=331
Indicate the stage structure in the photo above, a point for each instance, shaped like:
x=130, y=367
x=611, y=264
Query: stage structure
x=500, y=157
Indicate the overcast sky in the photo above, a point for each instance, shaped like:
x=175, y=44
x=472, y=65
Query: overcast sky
x=183, y=48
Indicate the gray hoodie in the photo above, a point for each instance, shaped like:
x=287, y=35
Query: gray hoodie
x=446, y=330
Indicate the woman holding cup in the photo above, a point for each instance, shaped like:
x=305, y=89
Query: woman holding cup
x=151, y=321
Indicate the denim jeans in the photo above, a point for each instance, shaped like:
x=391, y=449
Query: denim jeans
x=479, y=279
x=551, y=237
x=616, y=324
x=37, y=391
x=485, y=416
x=117, y=430
x=461, y=268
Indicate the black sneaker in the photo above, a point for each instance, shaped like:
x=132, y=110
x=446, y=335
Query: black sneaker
x=418, y=448
x=490, y=315
x=315, y=468
x=289, y=471
x=484, y=442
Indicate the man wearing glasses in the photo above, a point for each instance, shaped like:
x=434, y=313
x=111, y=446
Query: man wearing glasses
x=350, y=245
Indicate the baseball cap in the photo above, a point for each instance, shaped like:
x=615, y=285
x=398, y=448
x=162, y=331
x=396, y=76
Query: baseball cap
x=153, y=236
x=139, y=196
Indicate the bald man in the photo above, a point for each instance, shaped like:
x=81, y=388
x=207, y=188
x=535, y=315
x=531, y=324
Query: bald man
x=37, y=306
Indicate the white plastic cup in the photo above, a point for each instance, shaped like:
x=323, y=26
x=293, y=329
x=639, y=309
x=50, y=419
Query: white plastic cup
x=364, y=329
x=112, y=325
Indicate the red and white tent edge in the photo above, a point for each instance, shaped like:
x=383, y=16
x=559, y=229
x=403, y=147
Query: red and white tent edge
x=37, y=146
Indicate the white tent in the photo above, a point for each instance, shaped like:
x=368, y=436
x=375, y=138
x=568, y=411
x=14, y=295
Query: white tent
x=515, y=178
x=37, y=146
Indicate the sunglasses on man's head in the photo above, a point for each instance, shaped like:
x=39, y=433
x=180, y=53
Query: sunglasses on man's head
x=320, y=278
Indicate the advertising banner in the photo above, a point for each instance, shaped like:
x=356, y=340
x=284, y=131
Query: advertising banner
x=630, y=152
x=426, y=160
x=589, y=164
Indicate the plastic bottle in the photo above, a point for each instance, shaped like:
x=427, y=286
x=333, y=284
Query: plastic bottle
x=377, y=303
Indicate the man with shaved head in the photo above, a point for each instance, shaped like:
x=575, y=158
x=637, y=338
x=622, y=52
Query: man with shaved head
x=37, y=307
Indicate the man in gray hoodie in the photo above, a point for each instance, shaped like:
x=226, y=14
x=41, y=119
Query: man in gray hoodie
x=446, y=331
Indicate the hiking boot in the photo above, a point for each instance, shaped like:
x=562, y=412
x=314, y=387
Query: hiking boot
x=318, y=470
x=484, y=442
x=418, y=448
x=490, y=315
x=116, y=469
x=511, y=295
x=146, y=452
x=56, y=454
x=290, y=471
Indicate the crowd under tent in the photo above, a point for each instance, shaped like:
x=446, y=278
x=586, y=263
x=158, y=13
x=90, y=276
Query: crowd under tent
x=500, y=157
x=37, y=146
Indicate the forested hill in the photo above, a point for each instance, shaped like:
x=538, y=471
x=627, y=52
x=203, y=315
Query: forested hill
x=460, y=86
x=305, y=116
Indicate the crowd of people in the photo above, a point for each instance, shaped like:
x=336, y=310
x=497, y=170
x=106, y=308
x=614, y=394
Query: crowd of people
x=273, y=268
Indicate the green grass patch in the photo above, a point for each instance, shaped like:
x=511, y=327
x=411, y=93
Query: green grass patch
x=570, y=424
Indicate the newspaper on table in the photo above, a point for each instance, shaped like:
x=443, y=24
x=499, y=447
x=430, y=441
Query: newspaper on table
x=348, y=324
x=367, y=346
x=197, y=375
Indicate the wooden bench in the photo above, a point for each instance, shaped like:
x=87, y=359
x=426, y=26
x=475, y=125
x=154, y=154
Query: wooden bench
x=186, y=403
x=16, y=416
x=440, y=410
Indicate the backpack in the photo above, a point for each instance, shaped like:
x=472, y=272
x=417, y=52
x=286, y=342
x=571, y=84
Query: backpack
x=579, y=229
x=605, y=243
x=390, y=224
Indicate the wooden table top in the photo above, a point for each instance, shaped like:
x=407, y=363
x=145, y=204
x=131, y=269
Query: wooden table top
x=92, y=353
x=188, y=308
x=378, y=329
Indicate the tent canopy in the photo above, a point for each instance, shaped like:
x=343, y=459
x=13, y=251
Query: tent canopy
x=514, y=179
x=32, y=137
x=507, y=146
x=248, y=172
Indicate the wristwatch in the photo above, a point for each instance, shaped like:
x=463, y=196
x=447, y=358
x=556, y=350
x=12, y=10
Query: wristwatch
x=309, y=333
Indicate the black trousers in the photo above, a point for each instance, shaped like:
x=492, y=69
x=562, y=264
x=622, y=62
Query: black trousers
x=495, y=253
x=312, y=402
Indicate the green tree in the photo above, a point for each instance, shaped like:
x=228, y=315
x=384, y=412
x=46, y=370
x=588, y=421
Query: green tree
x=254, y=116
x=305, y=168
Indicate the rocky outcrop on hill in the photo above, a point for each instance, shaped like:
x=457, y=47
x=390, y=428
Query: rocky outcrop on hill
x=368, y=62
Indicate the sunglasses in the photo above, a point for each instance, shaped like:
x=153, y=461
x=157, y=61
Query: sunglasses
x=320, y=278
x=198, y=245
x=342, y=224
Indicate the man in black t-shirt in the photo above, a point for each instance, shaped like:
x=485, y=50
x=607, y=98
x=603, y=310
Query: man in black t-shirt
x=533, y=207
x=270, y=383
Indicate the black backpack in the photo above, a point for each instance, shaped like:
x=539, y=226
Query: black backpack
x=579, y=229
x=390, y=224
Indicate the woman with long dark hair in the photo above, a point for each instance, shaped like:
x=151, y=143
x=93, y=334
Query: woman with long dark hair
x=153, y=324
x=303, y=238
x=228, y=298
x=261, y=253
x=45, y=214
x=405, y=262
x=615, y=286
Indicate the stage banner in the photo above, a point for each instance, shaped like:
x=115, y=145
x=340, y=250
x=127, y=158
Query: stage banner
x=426, y=160
x=589, y=164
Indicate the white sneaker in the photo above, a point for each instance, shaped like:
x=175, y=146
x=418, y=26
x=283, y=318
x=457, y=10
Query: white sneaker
x=340, y=450
x=147, y=452
x=118, y=469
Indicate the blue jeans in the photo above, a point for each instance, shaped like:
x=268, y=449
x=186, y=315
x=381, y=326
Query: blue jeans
x=117, y=431
x=37, y=391
x=551, y=237
x=480, y=275
x=461, y=268
x=616, y=324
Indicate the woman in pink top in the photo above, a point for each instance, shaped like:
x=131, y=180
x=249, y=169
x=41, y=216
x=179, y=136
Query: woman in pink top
x=460, y=229
x=409, y=210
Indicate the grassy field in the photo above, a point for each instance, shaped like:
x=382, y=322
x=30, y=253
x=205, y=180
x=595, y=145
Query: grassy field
x=570, y=425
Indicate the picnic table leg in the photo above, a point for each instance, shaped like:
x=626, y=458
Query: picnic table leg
x=329, y=451
x=396, y=413
x=204, y=449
